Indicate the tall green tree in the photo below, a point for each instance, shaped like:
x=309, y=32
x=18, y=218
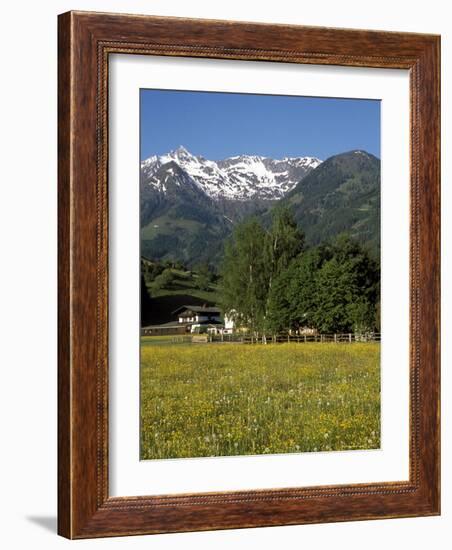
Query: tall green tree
x=254, y=258
x=284, y=241
x=244, y=277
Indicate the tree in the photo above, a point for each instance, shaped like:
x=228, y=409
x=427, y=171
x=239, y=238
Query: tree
x=150, y=270
x=254, y=258
x=243, y=276
x=292, y=298
x=362, y=314
x=347, y=289
x=333, y=288
x=270, y=283
x=283, y=243
x=378, y=316
x=205, y=277
x=163, y=280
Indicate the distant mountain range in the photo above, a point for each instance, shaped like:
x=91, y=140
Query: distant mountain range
x=242, y=178
x=189, y=204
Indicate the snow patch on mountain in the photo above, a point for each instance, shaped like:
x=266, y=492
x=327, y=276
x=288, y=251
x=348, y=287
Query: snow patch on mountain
x=242, y=177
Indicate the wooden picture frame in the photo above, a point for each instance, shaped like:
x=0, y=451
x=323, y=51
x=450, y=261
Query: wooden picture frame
x=86, y=40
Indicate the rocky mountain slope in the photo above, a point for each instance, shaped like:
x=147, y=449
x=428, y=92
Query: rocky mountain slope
x=189, y=204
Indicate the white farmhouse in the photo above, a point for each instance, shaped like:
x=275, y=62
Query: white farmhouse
x=200, y=318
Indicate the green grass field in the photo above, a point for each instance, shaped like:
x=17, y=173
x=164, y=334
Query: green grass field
x=157, y=341
x=185, y=284
x=232, y=399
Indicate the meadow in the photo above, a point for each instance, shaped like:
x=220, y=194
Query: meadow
x=231, y=399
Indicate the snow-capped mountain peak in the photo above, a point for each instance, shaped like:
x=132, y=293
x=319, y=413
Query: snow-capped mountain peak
x=180, y=154
x=241, y=177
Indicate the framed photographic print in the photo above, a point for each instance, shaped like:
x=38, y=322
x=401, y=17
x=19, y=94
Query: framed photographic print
x=248, y=275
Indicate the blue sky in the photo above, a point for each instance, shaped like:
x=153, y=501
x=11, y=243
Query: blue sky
x=219, y=125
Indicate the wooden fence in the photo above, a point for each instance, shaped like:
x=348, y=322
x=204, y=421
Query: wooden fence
x=347, y=338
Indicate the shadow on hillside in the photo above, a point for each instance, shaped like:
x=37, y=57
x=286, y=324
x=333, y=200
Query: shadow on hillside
x=159, y=310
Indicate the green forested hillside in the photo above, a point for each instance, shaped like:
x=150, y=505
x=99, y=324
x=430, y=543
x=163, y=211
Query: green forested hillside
x=341, y=195
x=166, y=286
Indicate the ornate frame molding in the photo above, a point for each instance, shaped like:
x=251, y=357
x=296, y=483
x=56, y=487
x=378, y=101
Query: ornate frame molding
x=85, y=42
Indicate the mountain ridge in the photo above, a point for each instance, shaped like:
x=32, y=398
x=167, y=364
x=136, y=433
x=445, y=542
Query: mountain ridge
x=341, y=195
x=241, y=177
x=183, y=219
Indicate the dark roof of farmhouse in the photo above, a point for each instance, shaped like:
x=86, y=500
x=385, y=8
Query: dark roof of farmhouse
x=197, y=309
